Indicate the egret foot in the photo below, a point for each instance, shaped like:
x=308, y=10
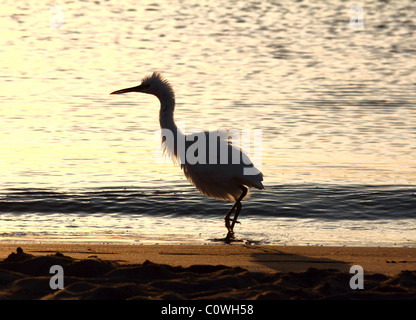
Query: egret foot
x=230, y=236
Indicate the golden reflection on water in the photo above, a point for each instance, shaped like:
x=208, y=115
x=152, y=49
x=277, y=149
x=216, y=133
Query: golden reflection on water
x=335, y=105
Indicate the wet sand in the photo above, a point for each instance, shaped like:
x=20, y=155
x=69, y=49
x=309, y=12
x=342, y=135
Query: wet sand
x=205, y=272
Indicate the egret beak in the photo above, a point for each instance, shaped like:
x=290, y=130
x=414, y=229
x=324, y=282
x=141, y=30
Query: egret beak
x=132, y=89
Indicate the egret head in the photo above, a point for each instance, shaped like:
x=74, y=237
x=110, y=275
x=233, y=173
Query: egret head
x=154, y=84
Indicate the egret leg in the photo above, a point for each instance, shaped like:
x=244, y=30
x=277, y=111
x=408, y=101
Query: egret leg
x=237, y=205
x=227, y=217
x=237, y=212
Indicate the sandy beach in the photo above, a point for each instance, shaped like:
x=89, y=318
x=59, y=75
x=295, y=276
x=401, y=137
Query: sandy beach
x=194, y=272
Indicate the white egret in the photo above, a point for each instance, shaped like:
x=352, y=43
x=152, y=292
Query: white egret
x=213, y=177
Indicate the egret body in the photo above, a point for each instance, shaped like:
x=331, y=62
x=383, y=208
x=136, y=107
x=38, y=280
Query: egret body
x=224, y=180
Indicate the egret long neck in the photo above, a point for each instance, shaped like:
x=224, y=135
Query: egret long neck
x=173, y=137
x=167, y=108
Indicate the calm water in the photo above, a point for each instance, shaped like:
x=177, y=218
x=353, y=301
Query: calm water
x=336, y=106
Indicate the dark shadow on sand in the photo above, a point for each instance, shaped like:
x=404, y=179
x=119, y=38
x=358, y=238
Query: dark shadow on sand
x=286, y=262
